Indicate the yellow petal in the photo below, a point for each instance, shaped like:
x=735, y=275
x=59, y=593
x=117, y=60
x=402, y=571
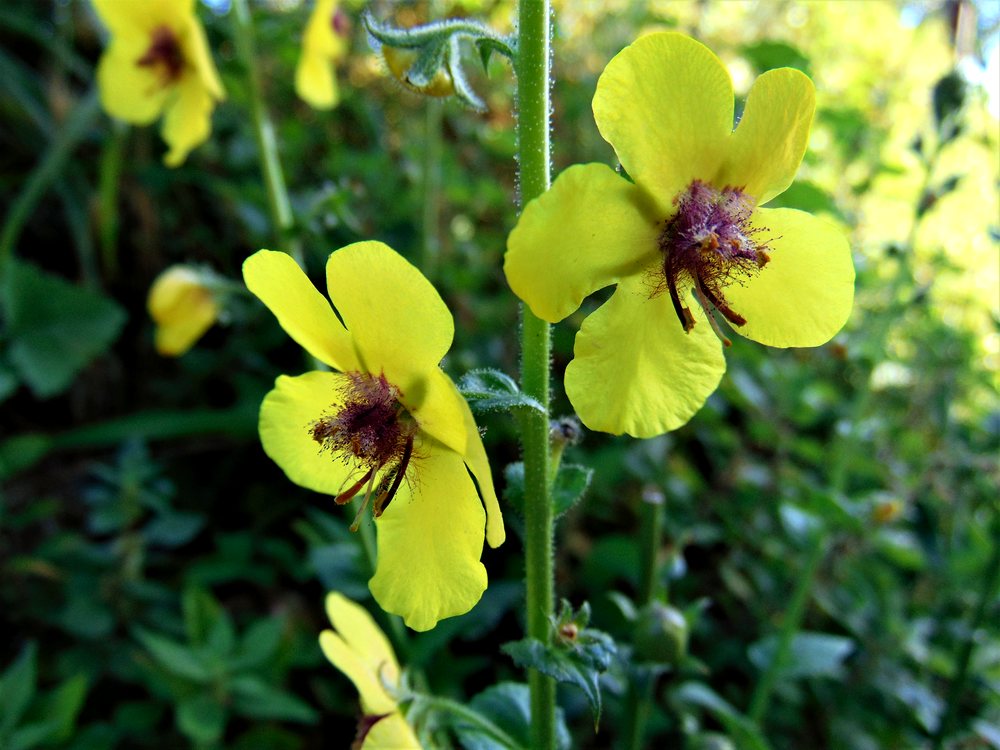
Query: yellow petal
x=588, y=231
x=129, y=91
x=374, y=698
x=315, y=82
x=391, y=733
x=128, y=17
x=767, y=147
x=182, y=308
x=635, y=370
x=430, y=539
x=361, y=633
x=479, y=465
x=286, y=418
x=803, y=296
x=188, y=119
x=197, y=54
x=300, y=308
x=665, y=103
x=437, y=406
x=398, y=321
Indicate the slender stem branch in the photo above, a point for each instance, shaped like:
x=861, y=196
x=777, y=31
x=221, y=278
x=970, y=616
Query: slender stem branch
x=110, y=181
x=270, y=163
x=987, y=596
x=444, y=705
x=533, y=81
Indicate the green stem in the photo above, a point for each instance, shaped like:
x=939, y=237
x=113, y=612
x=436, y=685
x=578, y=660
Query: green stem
x=48, y=169
x=444, y=705
x=987, y=596
x=274, y=178
x=432, y=188
x=110, y=182
x=533, y=82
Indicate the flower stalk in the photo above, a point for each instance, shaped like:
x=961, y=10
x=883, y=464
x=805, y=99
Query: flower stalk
x=533, y=82
x=278, y=203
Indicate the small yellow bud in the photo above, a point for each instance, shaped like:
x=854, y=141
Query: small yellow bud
x=183, y=308
x=887, y=511
x=400, y=60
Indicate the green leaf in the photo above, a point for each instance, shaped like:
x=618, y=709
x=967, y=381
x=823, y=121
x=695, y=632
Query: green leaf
x=491, y=390
x=173, y=657
x=174, y=529
x=55, y=328
x=201, y=718
x=255, y=699
x=8, y=382
x=570, y=484
x=62, y=706
x=508, y=706
x=22, y=452
x=201, y=611
x=812, y=655
x=740, y=728
x=17, y=686
x=578, y=655
x=259, y=643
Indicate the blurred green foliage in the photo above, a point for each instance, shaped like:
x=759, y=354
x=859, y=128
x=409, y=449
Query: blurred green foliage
x=164, y=582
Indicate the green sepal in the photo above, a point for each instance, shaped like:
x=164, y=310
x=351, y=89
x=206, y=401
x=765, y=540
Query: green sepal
x=577, y=655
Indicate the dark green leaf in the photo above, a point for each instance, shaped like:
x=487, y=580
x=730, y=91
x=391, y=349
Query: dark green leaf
x=174, y=657
x=508, y=706
x=571, y=483
x=201, y=718
x=492, y=390
x=812, y=655
x=742, y=730
x=17, y=686
x=258, y=645
x=55, y=328
x=174, y=529
x=255, y=699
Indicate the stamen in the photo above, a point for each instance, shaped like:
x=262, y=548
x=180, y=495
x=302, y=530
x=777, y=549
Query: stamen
x=343, y=498
x=355, y=525
x=699, y=292
x=399, y=472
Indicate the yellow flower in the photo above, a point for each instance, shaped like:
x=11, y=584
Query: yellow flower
x=183, y=307
x=389, y=423
x=158, y=62
x=324, y=43
x=687, y=228
x=361, y=651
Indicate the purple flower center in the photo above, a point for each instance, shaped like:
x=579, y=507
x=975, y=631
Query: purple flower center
x=708, y=245
x=371, y=430
x=164, y=54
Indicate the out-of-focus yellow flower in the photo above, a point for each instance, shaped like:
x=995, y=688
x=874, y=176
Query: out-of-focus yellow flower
x=389, y=423
x=361, y=651
x=323, y=44
x=183, y=306
x=158, y=63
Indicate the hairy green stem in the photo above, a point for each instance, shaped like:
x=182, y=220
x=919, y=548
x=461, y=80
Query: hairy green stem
x=274, y=177
x=110, y=181
x=533, y=82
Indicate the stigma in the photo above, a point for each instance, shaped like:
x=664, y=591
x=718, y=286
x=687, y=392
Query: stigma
x=707, y=245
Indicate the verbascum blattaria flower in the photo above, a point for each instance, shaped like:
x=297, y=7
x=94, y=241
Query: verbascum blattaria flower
x=324, y=44
x=684, y=238
x=389, y=425
x=158, y=63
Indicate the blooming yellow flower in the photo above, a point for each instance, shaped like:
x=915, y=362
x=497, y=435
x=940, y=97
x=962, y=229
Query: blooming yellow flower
x=687, y=228
x=361, y=651
x=183, y=306
x=389, y=423
x=158, y=62
x=323, y=44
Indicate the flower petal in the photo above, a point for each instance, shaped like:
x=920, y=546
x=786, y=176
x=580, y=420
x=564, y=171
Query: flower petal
x=767, y=147
x=188, y=119
x=586, y=232
x=182, y=307
x=391, y=733
x=127, y=17
x=437, y=406
x=130, y=92
x=361, y=633
x=635, y=369
x=374, y=698
x=300, y=308
x=197, y=54
x=665, y=103
x=803, y=296
x=286, y=416
x=430, y=539
x=398, y=321
x=479, y=465
x=315, y=82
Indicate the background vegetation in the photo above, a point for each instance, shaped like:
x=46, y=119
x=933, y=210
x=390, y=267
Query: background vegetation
x=162, y=580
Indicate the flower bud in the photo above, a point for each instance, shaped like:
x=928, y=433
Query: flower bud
x=661, y=634
x=400, y=61
x=183, y=306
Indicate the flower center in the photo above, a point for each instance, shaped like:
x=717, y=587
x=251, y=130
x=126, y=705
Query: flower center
x=164, y=55
x=709, y=244
x=339, y=23
x=372, y=430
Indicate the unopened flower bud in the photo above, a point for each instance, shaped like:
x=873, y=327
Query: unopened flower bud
x=183, y=306
x=400, y=61
x=661, y=634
